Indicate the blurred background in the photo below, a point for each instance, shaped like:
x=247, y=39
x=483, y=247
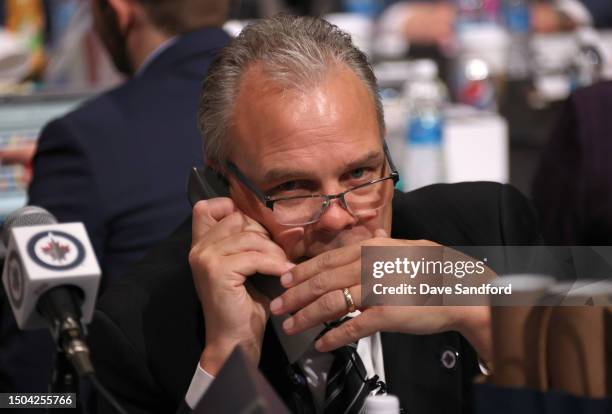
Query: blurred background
x=472, y=89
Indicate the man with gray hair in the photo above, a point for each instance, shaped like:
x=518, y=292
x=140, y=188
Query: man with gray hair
x=294, y=125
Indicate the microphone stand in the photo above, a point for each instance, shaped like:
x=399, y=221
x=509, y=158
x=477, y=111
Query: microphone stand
x=61, y=308
x=65, y=380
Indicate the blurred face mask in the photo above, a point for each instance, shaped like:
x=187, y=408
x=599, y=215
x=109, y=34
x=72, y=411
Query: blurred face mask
x=106, y=25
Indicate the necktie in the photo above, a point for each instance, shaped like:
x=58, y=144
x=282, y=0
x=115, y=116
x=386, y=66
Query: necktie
x=302, y=399
x=347, y=387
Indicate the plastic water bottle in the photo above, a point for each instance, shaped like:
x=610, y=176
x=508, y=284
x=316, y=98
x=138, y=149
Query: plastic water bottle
x=474, y=84
x=469, y=13
x=369, y=8
x=382, y=404
x=587, y=65
x=423, y=162
x=518, y=23
x=480, y=42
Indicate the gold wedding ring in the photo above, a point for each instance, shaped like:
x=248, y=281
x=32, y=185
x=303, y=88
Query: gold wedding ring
x=348, y=299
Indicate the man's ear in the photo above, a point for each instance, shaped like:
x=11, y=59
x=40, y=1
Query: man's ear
x=217, y=167
x=211, y=163
x=124, y=10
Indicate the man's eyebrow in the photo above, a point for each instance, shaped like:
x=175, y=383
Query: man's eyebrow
x=283, y=174
x=372, y=158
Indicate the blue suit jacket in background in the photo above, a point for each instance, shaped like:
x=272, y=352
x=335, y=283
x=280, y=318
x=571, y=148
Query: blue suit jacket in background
x=119, y=164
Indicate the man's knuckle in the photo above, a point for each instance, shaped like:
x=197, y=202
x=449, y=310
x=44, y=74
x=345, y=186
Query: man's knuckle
x=301, y=318
x=193, y=257
x=318, y=285
x=211, y=263
x=262, y=259
x=252, y=256
x=351, y=329
x=200, y=208
x=196, y=257
x=324, y=261
x=250, y=238
x=240, y=219
x=234, y=220
x=202, y=260
x=328, y=303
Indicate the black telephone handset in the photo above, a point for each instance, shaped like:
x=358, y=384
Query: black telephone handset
x=205, y=183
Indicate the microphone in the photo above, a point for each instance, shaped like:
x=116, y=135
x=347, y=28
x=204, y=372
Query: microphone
x=51, y=277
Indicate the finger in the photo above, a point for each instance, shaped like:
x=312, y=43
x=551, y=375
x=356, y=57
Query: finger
x=249, y=241
x=245, y=264
x=252, y=225
x=350, y=331
x=207, y=213
x=308, y=291
x=235, y=223
x=325, y=261
x=328, y=307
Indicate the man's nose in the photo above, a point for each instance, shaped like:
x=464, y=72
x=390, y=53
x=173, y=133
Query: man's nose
x=336, y=217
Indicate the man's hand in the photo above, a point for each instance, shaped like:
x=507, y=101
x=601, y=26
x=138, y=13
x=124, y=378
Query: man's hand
x=315, y=295
x=227, y=248
x=545, y=18
x=429, y=23
x=22, y=155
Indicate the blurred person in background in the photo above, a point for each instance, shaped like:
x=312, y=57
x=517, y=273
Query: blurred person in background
x=120, y=162
x=600, y=11
x=432, y=22
x=564, y=15
x=572, y=189
x=100, y=164
x=251, y=9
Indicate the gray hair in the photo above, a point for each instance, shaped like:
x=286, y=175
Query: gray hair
x=296, y=52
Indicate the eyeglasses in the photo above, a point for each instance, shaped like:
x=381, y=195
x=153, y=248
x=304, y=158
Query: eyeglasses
x=363, y=200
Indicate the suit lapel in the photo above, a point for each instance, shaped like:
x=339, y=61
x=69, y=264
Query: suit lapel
x=416, y=373
x=394, y=363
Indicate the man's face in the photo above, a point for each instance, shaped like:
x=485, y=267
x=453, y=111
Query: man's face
x=107, y=28
x=319, y=141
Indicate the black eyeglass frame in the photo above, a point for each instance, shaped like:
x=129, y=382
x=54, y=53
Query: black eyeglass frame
x=269, y=201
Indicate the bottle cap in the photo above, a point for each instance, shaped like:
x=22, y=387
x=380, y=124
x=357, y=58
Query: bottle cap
x=424, y=69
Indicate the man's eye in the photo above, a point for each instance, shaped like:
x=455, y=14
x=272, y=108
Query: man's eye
x=358, y=173
x=286, y=189
x=288, y=186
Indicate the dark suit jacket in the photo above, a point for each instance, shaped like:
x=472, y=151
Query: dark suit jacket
x=573, y=186
x=148, y=332
x=601, y=12
x=119, y=164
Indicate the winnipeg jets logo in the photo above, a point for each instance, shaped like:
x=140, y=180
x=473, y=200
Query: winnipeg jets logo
x=56, y=250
